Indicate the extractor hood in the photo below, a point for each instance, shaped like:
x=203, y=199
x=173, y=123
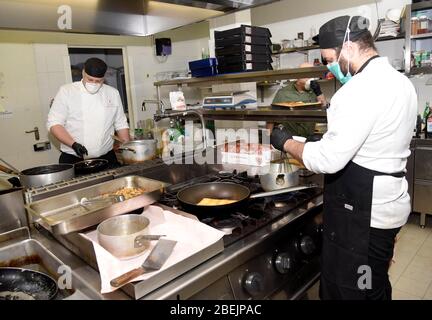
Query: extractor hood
x=118, y=17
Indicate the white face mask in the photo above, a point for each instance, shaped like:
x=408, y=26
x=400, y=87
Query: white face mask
x=92, y=88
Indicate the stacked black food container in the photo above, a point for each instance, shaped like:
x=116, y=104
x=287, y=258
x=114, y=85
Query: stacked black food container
x=246, y=48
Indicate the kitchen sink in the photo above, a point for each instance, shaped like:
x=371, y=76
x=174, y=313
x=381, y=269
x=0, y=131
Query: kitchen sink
x=31, y=254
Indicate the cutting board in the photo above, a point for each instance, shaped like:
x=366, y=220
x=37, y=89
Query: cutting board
x=297, y=104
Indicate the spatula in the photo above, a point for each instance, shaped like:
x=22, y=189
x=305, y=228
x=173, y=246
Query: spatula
x=156, y=259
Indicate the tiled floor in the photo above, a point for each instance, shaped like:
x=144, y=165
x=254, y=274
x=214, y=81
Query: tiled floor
x=411, y=271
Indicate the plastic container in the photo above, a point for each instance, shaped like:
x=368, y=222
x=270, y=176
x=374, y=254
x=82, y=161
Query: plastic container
x=244, y=30
x=424, y=25
x=415, y=24
x=243, y=49
x=221, y=43
x=203, y=63
x=205, y=72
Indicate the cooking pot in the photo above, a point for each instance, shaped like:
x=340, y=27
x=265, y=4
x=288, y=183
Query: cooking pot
x=138, y=151
x=43, y=175
x=118, y=235
x=281, y=175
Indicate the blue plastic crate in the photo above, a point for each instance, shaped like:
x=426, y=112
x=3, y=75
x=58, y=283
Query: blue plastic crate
x=203, y=63
x=205, y=72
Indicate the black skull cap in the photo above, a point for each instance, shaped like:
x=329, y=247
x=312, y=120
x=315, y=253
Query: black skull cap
x=95, y=67
x=332, y=33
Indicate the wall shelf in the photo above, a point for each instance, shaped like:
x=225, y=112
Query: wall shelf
x=284, y=74
x=422, y=36
x=299, y=50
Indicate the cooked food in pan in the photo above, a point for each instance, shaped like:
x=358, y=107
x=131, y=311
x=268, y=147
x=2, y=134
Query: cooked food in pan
x=127, y=193
x=215, y=202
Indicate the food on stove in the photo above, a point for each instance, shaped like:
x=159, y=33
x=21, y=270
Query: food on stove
x=127, y=193
x=214, y=202
x=296, y=104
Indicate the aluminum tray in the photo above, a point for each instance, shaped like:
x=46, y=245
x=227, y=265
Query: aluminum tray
x=64, y=214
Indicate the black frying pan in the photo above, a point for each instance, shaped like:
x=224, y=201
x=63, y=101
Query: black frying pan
x=190, y=196
x=25, y=284
x=90, y=166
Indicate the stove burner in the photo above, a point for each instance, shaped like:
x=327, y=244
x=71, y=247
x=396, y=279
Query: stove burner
x=279, y=204
x=228, y=226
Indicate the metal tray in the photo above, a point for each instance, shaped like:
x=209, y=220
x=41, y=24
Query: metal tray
x=64, y=214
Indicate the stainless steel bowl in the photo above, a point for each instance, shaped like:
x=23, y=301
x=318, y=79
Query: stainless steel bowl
x=118, y=234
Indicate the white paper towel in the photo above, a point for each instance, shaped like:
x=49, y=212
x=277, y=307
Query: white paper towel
x=191, y=235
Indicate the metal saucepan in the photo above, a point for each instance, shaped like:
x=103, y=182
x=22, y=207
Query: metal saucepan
x=24, y=284
x=138, y=151
x=190, y=196
x=90, y=166
x=43, y=175
x=120, y=235
x=281, y=175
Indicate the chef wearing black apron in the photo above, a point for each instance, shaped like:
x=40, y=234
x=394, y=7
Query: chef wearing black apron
x=363, y=156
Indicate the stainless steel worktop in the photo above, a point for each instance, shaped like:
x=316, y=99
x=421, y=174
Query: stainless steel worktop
x=195, y=280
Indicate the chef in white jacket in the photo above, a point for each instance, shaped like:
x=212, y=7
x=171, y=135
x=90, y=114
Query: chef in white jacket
x=85, y=114
x=363, y=156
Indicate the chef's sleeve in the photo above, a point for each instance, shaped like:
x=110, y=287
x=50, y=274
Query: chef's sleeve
x=59, y=110
x=349, y=127
x=120, y=121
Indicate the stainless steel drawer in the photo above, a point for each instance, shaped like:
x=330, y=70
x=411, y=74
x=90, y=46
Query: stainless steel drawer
x=423, y=163
x=423, y=197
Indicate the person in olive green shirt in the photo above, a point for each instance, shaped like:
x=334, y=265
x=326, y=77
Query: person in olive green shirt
x=295, y=92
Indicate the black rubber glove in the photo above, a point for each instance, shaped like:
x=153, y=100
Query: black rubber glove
x=79, y=149
x=279, y=136
x=314, y=137
x=315, y=87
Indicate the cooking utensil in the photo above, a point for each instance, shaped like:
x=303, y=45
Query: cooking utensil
x=90, y=166
x=281, y=175
x=118, y=235
x=43, y=175
x=138, y=151
x=87, y=202
x=156, y=259
x=25, y=284
x=142, y=240
x=63, y=214
x=190, y=196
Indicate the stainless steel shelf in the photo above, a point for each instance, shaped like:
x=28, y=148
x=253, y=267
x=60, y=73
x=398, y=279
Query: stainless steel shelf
x=271, y=114
x=297, y=73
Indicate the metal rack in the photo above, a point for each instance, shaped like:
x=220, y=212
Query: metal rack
x=260, y=114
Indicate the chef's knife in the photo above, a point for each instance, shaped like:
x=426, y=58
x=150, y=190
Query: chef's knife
x=156, y=259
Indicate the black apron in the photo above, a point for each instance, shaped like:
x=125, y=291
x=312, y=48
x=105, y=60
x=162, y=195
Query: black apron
x=346, y=227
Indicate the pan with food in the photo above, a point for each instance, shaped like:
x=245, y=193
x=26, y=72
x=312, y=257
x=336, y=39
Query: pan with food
x=221, y=198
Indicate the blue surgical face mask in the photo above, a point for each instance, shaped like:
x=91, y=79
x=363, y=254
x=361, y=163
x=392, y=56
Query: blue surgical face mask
x=335, y=67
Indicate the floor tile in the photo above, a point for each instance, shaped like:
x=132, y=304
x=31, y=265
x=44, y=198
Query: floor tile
x=412, y=287
x=401, y=295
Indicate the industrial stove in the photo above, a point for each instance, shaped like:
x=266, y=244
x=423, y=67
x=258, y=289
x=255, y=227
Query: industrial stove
x=280, y=235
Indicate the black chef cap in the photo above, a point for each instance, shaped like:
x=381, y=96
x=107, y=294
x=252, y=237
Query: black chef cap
x=331, y=34
x=95, y=67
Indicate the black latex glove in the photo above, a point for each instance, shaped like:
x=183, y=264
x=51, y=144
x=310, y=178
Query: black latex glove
x=314, y=137
x=279, y=136
x=315, y=87
x=79, y=149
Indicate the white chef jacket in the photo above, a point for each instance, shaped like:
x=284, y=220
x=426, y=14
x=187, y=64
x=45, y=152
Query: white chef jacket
x=371, y=122
x=90, y=119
